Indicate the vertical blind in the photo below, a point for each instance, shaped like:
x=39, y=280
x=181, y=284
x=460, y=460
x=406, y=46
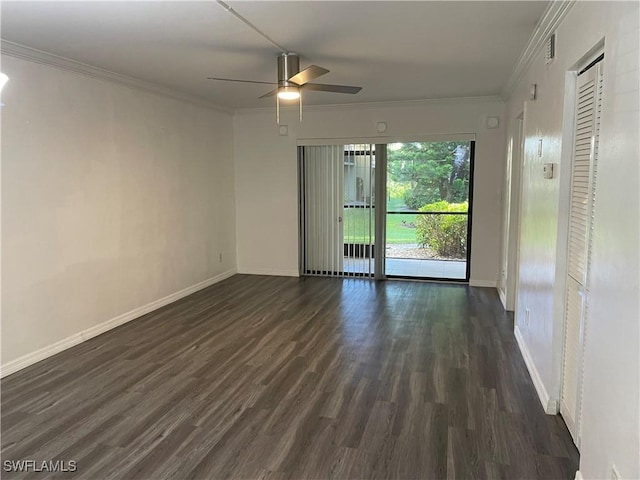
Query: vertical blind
x=323, y=186
x=337, y=198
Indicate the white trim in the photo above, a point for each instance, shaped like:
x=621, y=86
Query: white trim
x=272, y=272
x=551, y=18
x=38, y=56
x=571, y=423
x=46, y=352
x=373, y=105
x=550, y=405
x=483, y=283
x=503, y=297
x=579, y=475
x=443, y=137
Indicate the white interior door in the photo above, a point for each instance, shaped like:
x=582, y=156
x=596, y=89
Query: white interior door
x=583, y=173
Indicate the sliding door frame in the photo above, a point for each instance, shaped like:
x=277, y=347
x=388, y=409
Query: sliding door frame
x=380, y=205
x=380, y=215
x=301, y=209
x=472, y=151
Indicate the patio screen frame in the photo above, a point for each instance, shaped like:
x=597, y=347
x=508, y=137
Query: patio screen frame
x=468, y=213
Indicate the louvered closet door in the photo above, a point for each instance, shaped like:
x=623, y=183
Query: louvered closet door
x=583, y=174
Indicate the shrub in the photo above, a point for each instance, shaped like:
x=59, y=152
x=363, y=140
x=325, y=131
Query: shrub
x=445, y=234
x=416, y=197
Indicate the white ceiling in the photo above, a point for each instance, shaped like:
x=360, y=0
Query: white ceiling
x=394, y=50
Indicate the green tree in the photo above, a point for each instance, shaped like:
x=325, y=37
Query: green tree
x=434, y=171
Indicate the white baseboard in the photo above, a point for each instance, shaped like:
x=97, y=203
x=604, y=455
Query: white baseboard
x=46, y=352
x=553, y=407
x=483, y=283
x=503, y=298
x=550, y=405
x=269, y=271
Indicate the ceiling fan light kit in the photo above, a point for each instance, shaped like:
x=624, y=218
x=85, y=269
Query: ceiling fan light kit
x=289, y=93
x=291, y=81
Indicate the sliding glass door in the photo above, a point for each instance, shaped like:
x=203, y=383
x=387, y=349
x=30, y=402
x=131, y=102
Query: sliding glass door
x=428, y=222
x=421, y=228
x=359, y=209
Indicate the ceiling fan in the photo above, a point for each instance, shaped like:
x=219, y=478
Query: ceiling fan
x=291, y=80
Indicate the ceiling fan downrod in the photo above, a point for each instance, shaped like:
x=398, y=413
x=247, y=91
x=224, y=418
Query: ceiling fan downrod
x=288, y=66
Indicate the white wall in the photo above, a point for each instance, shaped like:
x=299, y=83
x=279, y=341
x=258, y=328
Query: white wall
x=266, y=173
x=112, y=198
x=610, y=430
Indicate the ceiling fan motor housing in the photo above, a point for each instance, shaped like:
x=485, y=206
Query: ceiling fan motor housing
x=288, y=66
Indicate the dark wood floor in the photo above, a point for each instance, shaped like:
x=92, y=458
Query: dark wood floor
x=268, y=377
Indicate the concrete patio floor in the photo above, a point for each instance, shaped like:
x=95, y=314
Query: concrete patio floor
x=409, y=267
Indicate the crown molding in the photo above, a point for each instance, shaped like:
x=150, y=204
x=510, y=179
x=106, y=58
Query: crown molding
x=373, y=105
x=38, y=56
x=554, y=14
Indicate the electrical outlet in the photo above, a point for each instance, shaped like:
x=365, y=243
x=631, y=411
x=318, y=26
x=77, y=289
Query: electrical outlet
x=527, y=317
x=220, y=258
x=615, y=475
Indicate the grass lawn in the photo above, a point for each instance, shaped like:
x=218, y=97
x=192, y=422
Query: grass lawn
x=358, y=222
x=400, y=228
x=358, y=225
